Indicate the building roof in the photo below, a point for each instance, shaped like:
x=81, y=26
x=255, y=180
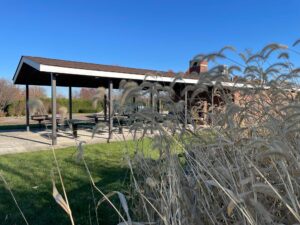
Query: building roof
x=37, y=71
x=91, y=66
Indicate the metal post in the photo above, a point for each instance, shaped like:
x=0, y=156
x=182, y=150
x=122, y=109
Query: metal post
x=157, y=104
x=53, y=101
x=105, y=107
x=70, y=103
x=185, y=108
x=134, y=106
x=27, y=107
x=212, y=105
x=110, y=110
x=152, y=106
x=205, y=113
x=152, y=100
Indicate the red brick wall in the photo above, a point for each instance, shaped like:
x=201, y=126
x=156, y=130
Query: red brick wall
x=203, y=67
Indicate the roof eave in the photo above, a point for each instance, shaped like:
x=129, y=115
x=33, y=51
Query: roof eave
x=29, y=62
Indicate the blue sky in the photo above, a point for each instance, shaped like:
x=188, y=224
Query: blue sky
x=154, y=34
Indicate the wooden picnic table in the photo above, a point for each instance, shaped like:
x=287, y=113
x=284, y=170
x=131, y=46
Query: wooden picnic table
x=39, y=118
x=121, y=120
x=96, y=117
x=75, y=123
x=59, y=120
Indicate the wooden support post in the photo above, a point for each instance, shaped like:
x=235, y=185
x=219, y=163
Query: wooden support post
x=53, y=101
x=152, y=102
x=105, y=107
x=70, y=103
x=134, y=106
x=110, y=110
x=27, y=107
x=205, y=113
x=185, y=108
x=157, y=104
x=212, y=105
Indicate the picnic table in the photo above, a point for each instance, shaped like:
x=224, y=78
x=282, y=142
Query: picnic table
x=122, y=118
x=58, y=118
x=96, y=117
x=60, y=122
x=75, y=123
x=39, y=118
x=120, y=121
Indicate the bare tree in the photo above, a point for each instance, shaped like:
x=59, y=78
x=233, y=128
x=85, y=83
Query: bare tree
x=8, y=93
x=87, y=93
x=37, y=92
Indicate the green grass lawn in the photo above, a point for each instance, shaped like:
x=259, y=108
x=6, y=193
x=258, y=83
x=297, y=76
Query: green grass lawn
x=29, y=177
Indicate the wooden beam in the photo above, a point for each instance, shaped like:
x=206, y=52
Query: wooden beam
x=70, y=103
x=53, y=103
x=110, y=110
x=27, y=107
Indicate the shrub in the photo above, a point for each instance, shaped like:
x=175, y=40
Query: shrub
x=79, y=105
x=17, y=108
x=87, y=111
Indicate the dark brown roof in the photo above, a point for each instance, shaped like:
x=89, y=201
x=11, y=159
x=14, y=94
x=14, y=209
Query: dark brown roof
x=93, y=66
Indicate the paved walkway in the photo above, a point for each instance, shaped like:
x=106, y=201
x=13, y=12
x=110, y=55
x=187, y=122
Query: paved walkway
x=36, y=140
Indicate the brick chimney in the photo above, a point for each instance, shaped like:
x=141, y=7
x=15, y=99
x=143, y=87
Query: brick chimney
x=198, y=65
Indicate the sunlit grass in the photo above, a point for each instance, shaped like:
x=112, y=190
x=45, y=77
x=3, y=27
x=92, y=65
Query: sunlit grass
x=29, y=176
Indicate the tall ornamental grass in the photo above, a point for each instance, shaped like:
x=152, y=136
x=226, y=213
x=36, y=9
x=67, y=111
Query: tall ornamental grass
x=243, y=167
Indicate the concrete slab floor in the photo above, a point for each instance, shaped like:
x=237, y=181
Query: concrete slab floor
x=37, y=140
